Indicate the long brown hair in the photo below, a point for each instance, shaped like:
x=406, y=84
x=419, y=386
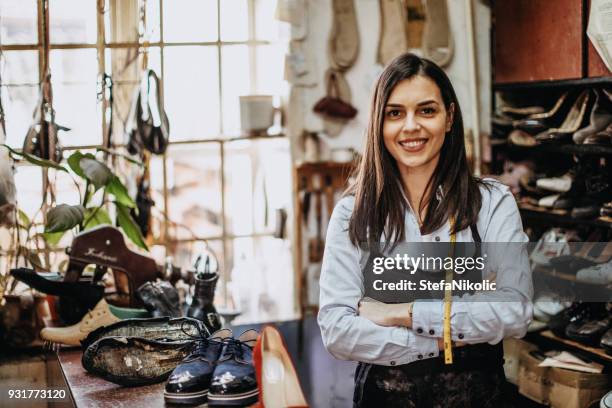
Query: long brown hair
x=379, y=204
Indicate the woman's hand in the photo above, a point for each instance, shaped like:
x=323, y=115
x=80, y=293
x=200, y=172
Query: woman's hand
x=383, y=314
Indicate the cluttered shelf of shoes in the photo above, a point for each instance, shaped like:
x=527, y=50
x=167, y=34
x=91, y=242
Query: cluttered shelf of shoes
x=552, y=145
x=169, y=333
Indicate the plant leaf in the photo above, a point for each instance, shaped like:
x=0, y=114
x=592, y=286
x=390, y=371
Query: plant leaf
x=23, y=217
x=96, y=172
x=36, y=160
x=53, y=238
x=64, y=217
x=96, y=216
x=116, y=188
x=129, y=226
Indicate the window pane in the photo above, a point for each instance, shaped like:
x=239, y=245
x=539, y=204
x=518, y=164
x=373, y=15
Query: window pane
x=266, y=26
x=190, y=20
x=191, y=89
x=18, y=22
x=236, y=81
x=257, y=182
x=18, y=103
x=270, y=70
x=234, y=20
x=239, y=188
x=261, y=279
x=19, y=67
x=73, y=21
x=29, y=181
x=123, y=20
x=74, y=76
x=194, y=189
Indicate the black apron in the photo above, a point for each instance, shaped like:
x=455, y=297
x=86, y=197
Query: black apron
x=475, y=379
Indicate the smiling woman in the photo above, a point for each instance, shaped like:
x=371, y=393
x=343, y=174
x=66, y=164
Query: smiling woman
x=413, y=184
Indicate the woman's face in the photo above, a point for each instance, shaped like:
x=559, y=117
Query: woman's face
x=415, y=124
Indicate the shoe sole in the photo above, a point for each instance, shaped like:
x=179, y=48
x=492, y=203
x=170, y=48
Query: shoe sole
x=234, y=400
x=182, y=328
x=132, y=361
x=188, y=398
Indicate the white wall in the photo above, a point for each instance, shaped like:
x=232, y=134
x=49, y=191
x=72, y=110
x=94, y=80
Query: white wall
x=360, y=76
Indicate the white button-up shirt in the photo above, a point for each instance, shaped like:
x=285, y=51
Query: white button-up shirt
x=348, y=336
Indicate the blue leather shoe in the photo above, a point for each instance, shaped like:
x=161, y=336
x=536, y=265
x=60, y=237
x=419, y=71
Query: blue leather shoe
x=234, y=382
x=190, y=380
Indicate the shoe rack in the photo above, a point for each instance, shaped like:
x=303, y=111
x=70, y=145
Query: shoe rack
x=540, y=51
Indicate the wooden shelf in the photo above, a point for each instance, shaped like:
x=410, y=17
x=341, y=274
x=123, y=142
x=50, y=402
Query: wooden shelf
x=599, y=352
x=560, y=217
x=581, y=82
x=578, y=149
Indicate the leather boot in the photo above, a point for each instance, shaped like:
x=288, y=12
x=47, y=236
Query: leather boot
x=72, y=335
x=202, y=307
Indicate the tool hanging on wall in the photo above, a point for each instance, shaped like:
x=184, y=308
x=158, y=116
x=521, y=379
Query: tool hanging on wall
x=41, y=139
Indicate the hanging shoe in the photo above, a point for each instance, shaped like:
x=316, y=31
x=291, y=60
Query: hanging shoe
x=393, y=37
x=572, y=122
x=234, y=382
x=343, y=44
x=154, y=328
x=190, y=380
x=600, y=117
x=277, y=379
x=98, y=317
x=438, y=44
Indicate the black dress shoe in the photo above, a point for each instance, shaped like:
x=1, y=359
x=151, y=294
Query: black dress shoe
x=155, y=328
x=132, y=361
x=588, y=332
x=87, y=295
x=579, y=311
x=160, y=298
x=606, y=342
x=234, y=382
x=190, y=380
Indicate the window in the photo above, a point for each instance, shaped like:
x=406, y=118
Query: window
x=211, y=184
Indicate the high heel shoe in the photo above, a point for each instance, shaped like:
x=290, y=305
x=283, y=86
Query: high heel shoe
x=279, y=385
x=572, y=122
x=538, y=122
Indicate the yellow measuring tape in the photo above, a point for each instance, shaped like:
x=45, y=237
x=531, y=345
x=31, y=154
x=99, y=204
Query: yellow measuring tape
x=448, y=351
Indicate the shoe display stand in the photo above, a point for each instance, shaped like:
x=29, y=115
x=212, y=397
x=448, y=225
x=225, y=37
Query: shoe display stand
x=540, y=53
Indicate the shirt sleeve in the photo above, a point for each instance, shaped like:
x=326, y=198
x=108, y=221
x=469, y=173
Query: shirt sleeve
x=505, y=312
x=346, y=335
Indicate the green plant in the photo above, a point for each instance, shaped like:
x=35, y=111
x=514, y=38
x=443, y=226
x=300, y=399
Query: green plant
x=85, y=215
